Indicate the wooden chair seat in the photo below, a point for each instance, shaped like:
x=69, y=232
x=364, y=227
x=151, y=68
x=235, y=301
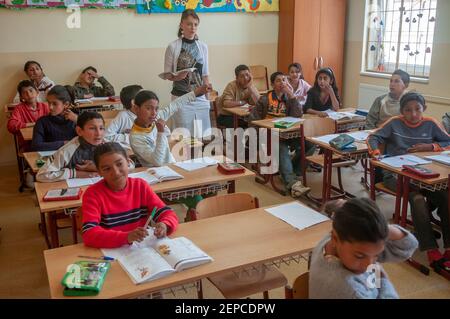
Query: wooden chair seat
x=380, y=187
x=235, y=285
x=337, y=161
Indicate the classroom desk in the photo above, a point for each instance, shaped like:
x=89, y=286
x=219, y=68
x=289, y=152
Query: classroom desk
x=360, y=153
x=235, y=241
x=27, y=132
x=237, y=112
x=102, y=103
x=203, y=181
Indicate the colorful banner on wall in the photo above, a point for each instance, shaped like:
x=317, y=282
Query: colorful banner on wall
x=178, y=6
x=153, y=6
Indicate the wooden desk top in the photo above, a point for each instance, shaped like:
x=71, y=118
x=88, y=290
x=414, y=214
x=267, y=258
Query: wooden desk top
x=442, y=169
x=361, y=146
x=27, y=132
x=204, y=176
x=234, y=241
x=98, y=103
x=239, y=111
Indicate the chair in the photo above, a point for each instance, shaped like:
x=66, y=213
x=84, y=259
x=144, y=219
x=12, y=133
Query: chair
x=260, y=77
x=230, y=284
x=299, y=289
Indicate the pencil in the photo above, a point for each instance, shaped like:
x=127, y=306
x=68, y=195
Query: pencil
x=150, y=218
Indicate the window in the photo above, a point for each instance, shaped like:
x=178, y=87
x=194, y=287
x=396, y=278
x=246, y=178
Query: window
x=400, y=36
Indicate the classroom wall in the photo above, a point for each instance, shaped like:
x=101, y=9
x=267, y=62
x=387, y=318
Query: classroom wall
x=436, y=91
x=126, y=48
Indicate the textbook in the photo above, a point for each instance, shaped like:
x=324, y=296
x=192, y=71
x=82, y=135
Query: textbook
x=341, y=115
x=156, y=175
x=443, y=158
x=63, y=194
x=156, y=258
x=85, y=278
x=283, y=124
x=166, y=75
x=230, y=168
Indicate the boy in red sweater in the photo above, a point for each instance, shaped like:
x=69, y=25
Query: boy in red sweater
x=116, y=208
x=27, y=112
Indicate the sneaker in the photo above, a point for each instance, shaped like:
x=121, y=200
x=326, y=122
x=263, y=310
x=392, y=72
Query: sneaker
x=298, y=189
x=29, y=180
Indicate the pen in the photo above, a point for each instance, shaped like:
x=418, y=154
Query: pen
x=150, y=218
x=98, y=258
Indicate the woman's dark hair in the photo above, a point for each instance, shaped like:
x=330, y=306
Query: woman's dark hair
x=89, y=68
x=25, y=84
x=64, y=94
x=188, y=13
x=298, y=66
x=108, y=148
x=240, y=68
x=274, y=75
x=128, y=93
x=85, y=117
x=144, y=96
x=412, y=96
x=360, y=220
x=403, y=75
x=30, y=63
x=330, y=73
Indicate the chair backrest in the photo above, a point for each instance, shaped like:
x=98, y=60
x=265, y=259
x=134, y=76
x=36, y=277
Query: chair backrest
x=299, y=289
x=260, y=77
x=225, y=204
x=318, y=126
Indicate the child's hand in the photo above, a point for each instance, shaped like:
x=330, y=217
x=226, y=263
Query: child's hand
x=160, y=230
x=69, y=115
x=87, y=166
x=323, y=114
x=84, y=174
x=421, y=148
x=160, y=125
x=202, y=90
x=137, y=235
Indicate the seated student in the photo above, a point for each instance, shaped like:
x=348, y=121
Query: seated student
x=119, y=128
x=239, y=92
x=297, y=82
x=342, y=263
x=85, y=87
x=409, y=133
x=36, y=75
x=116, y=208
x=76, y=158
x=56, y=129
x=26, y=113
x=282, y=102
x=446, y=121
x=323, y=95
x=386, y=106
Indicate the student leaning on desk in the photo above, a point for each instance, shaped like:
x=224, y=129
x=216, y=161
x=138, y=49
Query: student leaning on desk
x=115, y=209
x=75, y=159
x=409, y=133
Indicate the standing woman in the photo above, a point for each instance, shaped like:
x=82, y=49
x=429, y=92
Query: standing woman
x=35, y=73
x=188, y=52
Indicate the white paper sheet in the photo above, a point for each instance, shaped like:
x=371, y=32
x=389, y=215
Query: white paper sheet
x=399, y=161
x=297, y=215
x=443, y=159
x=79, y=182
x=46, y=153
x=196, y=163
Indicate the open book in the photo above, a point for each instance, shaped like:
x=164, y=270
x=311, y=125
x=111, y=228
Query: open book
x=443, y=158
x=166, y=75
x=157, y=174
x=155, y=258
x=342, y=115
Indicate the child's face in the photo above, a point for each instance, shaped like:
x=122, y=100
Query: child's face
x=413, y=112
x=87, y=77
x=147, y=111
x=93, y=131
x=323, y=80
x=29, y=95
x=396, y=85
x=357, y=256
x=294, y=73
x=113, y=167
x=189, y=27
x=56, y=106
x=34, y=72
x=279, y=83
x=243, y=78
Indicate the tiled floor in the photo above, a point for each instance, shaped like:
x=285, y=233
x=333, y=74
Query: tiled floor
x=23, y=273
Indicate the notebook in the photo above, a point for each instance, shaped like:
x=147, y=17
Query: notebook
x=156, y=258
x=297, y=215
x=196, y=163
x=341, y=115
x=85, y=278
x=443, y=158
x=166, y=75
x=399, y=161
x=157, y=174
x=63, y=194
